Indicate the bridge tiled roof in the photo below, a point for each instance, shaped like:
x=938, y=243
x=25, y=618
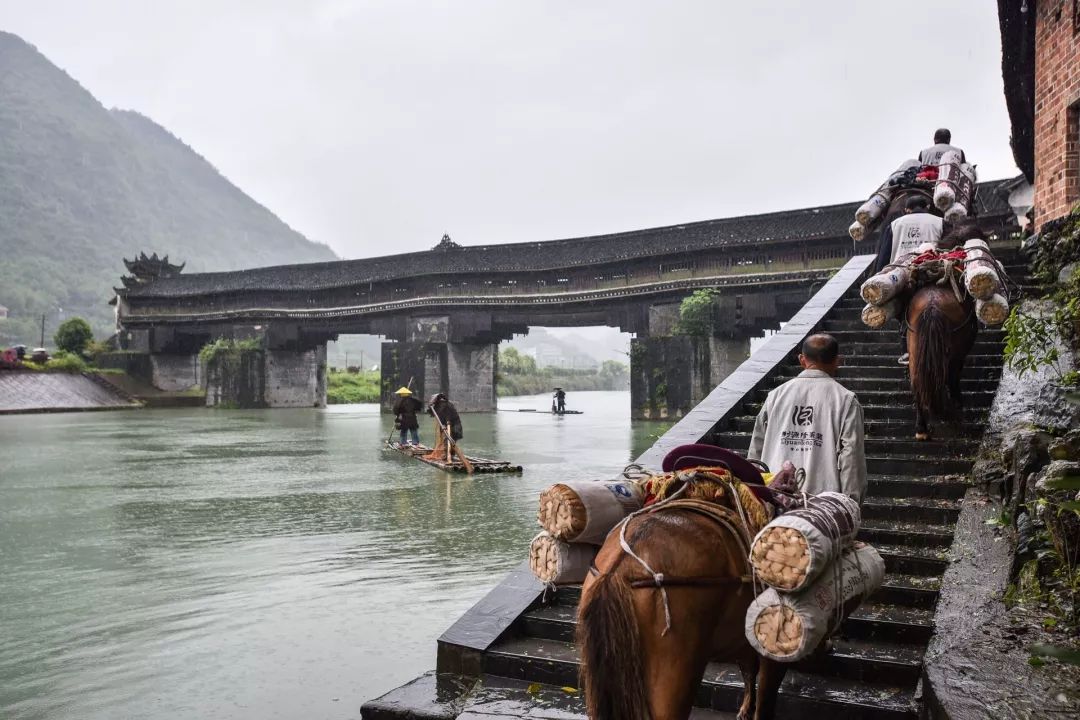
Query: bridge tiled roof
x=825, y=222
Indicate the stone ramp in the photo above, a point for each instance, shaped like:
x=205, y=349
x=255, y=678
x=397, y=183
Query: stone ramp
x=27, y=392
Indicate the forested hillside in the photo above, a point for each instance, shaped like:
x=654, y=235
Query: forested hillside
x=81, y=187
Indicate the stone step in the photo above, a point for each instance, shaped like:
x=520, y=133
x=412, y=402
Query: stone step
x=973, y=399
x=887, y=346
x=903, y=384
x=892, y=413
x=955, y=448
x=929, y=511
x=906, y=486
x=913, y=560
x=891, y=371
x=853, y=322
x=886, y=357
x=803, y=695
x=855, y=336
x=909, y=534
x=874, y=428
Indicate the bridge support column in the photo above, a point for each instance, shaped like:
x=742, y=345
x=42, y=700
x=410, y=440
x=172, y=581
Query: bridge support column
x=464, y=371
x=670, y=375
x=268, y=379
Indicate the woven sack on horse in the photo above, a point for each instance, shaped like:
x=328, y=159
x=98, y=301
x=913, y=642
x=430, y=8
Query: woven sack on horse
x=585, y=511
x=887, y=284
x=555, y=562
x=981, y=277
x=788, y=627
x=946, y=189
x=795, y=548
x=710, y=484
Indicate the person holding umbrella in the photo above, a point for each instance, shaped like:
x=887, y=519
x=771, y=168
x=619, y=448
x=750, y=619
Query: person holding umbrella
x=558, y=403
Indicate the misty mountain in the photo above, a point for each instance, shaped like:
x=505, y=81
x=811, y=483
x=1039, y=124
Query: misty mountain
x=82, y=187
x=573, y=348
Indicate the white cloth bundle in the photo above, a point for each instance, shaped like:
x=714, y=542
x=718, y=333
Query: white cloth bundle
x=555, y=562
x=875, y=207
x=981, y=271
x=886, y=285
x=875, y=316
x=955, y=213
x=792, y=551
x=994, y=311
x=857, y=231
x=947, y=186
x=787, y=627
x=965, y=187
x=584, y=511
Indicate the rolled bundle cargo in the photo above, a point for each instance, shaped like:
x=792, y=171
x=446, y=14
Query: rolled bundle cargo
x=947, y=187
x=875, y=316
x=794, y=549
x=584, y=511
x=981, y=271
x=857, y=231
x=965, y=186
x=994, y=311
x=787, y=627
x=555, y=562
x=874, y=208
x=956, y=213
x=886, y=285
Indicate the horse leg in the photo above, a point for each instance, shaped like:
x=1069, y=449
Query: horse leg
x=922, y=424
x=770, y=675
x=674, y=662
x=748, y=666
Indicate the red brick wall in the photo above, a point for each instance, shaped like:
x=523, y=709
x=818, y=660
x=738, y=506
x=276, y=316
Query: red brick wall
x=1057, y=108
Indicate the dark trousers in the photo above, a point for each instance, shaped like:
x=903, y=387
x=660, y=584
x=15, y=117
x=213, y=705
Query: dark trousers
x=884, y=248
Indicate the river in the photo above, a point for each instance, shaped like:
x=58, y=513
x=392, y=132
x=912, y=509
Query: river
x=258, y=564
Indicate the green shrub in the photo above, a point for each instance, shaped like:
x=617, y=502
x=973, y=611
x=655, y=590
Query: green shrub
x=73, y=335
x=344, y=388
x=697, y=313
x=224, y=346
x=66, y=362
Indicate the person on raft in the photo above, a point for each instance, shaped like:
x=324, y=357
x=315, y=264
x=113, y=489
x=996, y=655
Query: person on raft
x=942, y=144
x=447, y=420
x=815, y=423
x=405, y=408
x=559, y=405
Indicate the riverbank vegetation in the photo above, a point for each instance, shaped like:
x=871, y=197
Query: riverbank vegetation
x=352, y=387
x=519, y=375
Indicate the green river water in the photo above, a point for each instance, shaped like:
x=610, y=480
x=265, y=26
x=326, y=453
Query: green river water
x=258, y=564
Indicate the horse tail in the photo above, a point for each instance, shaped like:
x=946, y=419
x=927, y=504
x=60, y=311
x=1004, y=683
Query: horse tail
x=931, y=372
x=611, y=670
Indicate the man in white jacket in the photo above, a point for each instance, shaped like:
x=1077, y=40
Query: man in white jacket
x=816, y=423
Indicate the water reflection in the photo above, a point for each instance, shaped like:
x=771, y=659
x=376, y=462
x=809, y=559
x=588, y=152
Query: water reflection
x=164, y=564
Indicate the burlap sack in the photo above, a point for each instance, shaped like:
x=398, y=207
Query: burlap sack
x=555, y=562
x=787, y=627
x=584, y=511
x=884, y=286
x=994, y=311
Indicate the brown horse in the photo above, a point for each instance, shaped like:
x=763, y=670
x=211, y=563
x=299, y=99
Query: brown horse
x=941, y=331
x=637, y=664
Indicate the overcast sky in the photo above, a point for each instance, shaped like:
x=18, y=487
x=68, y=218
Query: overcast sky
x=376, y=125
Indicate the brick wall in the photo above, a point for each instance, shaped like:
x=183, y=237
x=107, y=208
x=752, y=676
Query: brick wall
x=1057, y=108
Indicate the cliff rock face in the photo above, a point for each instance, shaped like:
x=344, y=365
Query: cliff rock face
x=82, y=186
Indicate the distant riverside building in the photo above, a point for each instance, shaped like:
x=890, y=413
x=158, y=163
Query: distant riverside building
x=3, y=312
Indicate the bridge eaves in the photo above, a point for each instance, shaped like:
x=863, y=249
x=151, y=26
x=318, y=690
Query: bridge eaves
x=750, y=231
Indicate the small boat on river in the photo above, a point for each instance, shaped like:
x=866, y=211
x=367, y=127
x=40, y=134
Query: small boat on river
x=543, y=412
x=479, y=464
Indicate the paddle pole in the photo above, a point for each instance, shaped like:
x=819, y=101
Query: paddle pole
x=450, y=444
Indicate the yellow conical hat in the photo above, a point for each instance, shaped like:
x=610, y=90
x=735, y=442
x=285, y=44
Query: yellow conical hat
x=404, y=391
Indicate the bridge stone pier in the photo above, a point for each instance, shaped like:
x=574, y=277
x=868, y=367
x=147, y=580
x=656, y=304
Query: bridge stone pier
x=443, y=311
x=430, y=360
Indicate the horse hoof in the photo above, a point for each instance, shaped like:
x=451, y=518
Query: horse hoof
x=922, y=437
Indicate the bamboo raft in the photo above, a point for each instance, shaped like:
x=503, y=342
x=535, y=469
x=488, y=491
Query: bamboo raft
x=543, y=412
x=480, y=465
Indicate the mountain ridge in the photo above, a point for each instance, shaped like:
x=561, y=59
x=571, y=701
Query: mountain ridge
x=83, y=186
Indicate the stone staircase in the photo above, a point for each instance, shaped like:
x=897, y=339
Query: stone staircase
x=909, y=515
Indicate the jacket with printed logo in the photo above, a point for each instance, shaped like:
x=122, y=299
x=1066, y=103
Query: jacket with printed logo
x=817, y=424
